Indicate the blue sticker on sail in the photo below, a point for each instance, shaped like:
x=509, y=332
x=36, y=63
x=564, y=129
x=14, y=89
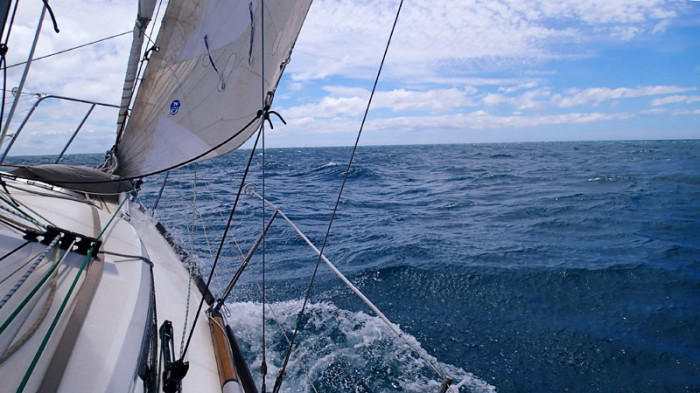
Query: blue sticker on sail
x=174, y=107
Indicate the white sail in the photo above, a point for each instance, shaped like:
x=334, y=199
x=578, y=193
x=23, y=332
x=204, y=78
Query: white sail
x=204, y=87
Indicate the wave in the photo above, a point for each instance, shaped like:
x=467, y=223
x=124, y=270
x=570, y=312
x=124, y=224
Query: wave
x=337, y=170
x=340, y=351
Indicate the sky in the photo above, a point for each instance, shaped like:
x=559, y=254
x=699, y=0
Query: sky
x=457, y=71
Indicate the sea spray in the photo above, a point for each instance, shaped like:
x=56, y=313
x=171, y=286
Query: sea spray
x=341, y=351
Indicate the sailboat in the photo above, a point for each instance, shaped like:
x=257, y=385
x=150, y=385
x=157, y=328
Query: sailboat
x=95, y=296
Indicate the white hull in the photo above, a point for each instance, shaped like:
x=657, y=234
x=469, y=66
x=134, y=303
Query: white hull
x=102, y=347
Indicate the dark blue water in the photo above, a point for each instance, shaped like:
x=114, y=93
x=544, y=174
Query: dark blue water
x=531, y=267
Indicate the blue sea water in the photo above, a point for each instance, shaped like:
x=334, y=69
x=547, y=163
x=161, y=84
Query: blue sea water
x=532, y=267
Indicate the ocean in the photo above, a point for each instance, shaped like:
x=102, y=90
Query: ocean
x=523, y=267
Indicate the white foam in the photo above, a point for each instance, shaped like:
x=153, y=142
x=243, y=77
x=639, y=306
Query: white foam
x=330, y=164
x=341, y=350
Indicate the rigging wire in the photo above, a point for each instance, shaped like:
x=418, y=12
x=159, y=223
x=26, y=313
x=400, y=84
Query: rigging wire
x=36, y=287
x=65, y=183
x=51, y=15
x=221, y=246
x=3, y=62
x=263, y=365
x=280, y=376
x=283, y=331
x=357, y=292
x=14, y=225
x=12, y=252
x=12, y=21
x=18, y=212
x=153, y=27
x=71, y=49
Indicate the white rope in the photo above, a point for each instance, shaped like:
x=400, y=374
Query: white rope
x=190, y=261
x=233, y=237
x=204, y=227
x=223, y=219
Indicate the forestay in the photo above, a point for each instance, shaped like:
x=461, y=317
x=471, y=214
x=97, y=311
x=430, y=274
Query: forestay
x=203, y=86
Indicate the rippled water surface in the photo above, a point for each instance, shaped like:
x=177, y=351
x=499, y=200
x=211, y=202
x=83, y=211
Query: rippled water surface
x=516, y=267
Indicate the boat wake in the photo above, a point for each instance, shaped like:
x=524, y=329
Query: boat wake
x=339, y=351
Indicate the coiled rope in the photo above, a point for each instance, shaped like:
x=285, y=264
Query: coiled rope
x=35, y=326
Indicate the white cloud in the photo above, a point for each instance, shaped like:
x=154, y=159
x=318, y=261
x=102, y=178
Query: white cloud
x=675, y=100
x=328, y=107
x=447, y=59
x=541, y=98
x=654, y=112
x=520, y=86
x=435, y=38
x=353, y=101
x=438, y=100
x=600, y=11
x=471, y=81
x=661, y=26
x=626, y=33
x=537, y=99
x=596, y=95
x=480, y=120
x=448, y=107
x=686, y=112
x=95, y=72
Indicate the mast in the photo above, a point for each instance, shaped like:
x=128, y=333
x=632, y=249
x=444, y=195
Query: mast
x=145, y=13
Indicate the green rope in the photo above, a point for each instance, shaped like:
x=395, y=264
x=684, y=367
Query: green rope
x=30, y=370
x=31, y=294
x=35, y=326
